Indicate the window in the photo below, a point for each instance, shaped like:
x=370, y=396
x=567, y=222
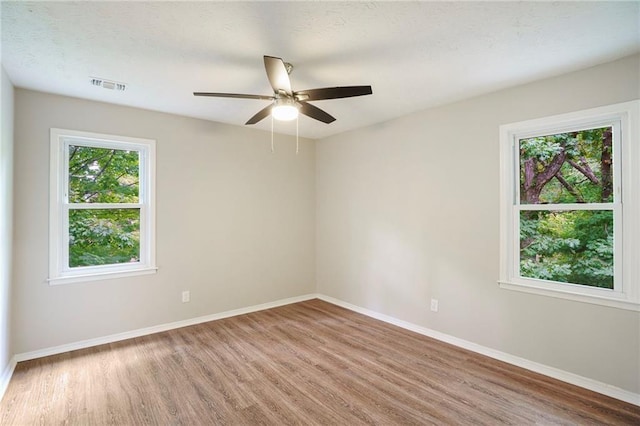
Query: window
x=569, y=206
x=102, y=218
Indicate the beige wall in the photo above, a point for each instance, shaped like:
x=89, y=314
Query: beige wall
x=235, y=223
x=409, y=209
x=6, y=213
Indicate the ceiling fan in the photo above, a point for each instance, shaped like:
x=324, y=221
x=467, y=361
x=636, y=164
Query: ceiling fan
x=286, y=103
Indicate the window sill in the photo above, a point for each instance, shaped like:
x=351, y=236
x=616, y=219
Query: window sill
x=107, y=275
x=568, y=295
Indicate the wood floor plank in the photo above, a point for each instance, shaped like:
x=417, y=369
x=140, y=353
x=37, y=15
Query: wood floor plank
x=309, y=363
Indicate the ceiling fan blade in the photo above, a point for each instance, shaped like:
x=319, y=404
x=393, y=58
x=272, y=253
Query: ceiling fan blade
x=277, y=74
x=260, y=115
x=233, y=95
x=315, y=113
x=333, y=93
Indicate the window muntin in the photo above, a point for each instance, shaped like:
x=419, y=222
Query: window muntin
x=581, y=216
x=102, y=207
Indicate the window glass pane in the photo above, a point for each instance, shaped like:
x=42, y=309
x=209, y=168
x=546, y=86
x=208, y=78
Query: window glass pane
x=568, y=246
x=574, y=167
x=101, y=175
x=103, y=236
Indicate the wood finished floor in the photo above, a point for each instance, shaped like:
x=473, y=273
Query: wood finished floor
x=307, y=363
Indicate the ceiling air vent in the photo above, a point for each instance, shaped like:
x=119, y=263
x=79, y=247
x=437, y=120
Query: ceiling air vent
x=108, y=84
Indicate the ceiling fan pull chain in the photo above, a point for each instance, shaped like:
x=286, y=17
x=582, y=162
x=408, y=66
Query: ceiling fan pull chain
x=297, y=143
x=272, y=133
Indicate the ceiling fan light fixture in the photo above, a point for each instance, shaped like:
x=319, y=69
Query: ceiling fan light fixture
x=285, y=110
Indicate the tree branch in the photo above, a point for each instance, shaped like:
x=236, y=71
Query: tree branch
x=573, y=191
x=113, y=153
x=585, y=170
x=535, y=182
x=550, y=171
x=82, y=165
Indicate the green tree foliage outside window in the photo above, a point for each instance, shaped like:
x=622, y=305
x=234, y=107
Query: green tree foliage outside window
x=567, y=245
x=109, y=234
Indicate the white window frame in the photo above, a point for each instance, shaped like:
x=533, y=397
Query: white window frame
x=59, y=270
x=625, y=120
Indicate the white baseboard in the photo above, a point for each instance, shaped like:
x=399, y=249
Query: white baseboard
x=5, y=377
x=565, y=376
x=157, y=329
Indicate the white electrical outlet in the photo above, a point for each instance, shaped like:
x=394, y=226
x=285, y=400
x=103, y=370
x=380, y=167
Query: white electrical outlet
x=434, y=305
x=186, y=296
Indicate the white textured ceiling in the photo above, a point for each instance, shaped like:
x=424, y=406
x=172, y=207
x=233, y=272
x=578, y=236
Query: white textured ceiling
x=414, y=54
